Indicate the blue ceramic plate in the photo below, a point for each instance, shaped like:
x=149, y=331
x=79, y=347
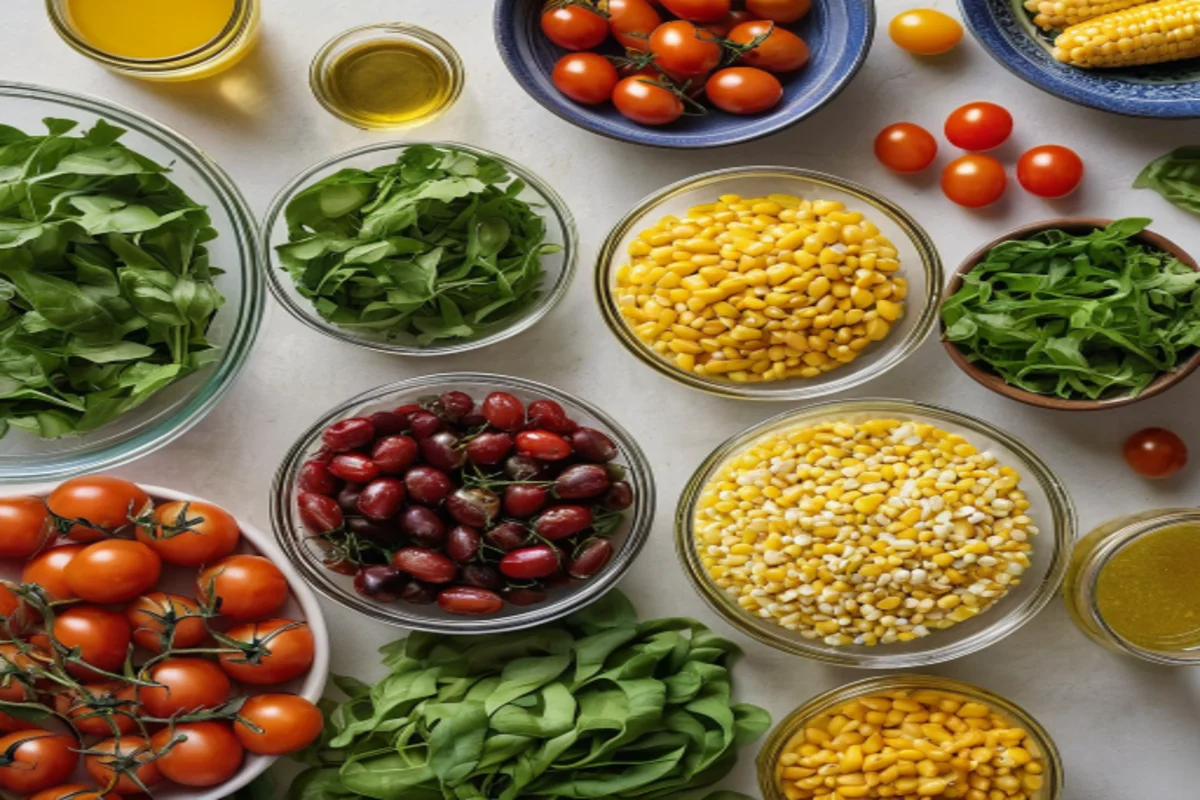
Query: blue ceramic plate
x=1007, y=31
x=838, y=32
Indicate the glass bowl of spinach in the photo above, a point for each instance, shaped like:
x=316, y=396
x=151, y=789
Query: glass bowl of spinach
x=1076, y=314
x=419, y=248
x=130, y=292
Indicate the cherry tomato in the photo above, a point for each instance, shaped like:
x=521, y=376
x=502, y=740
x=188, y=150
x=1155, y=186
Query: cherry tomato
x=684, y=51
x=98, y=505
x=127, y=764
x=646, y=102
x=780, y=51
x=75, y=791
x=587, y=78
x=744, y=90
x=779, y=10
x=191, y=533
x=100, y=709
x=48, y=570
x=25, y=526
x=159, y=618
x=979, y=126
x=631, y=23
x=723, y=26
x=905, y=147
x=286, y=723
x=1155, y=453
x=246, y=587
x=275, y=651
x=33, y=760
x=925, y=32
x=183, y=685
x=113, y=571
x=101, y=636
x=698, y=10
x=198, y=753
x=1050, y=171
x=974, y=180
x=574, y=27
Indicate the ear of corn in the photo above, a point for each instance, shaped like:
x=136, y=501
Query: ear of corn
x=1154, y=33
x=1060, y=14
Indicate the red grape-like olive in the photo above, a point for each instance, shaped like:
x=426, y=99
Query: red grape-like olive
x=475, y=419
x=341, y=566
x=592, y=445
x=474, y=507
x=423, y=526
x=394, y=454
x=591, y=559
x=354, y=467
x=456, y=405
x=462, y=543
x=469, y=601
x=315, y=477
x=425, y=565
x=347, y=498
x=483, y=576
x=524, y=468
x=388, y=422
x=441, y=451
x=381, y=498
x=507, y=536
x=503, y=411
x=384, y=584
x=324, y=455
x=489, y=448
x=419, y=593
x=524, y=499
x=525, y=596
x=581, y=481
x=543, y=445
x=549, y=415
x=384, y=533
x=425, y=424
x=559, y=522
x=619, y=496
x=348, y=434
x=406, y=411
x=319, y=513
x=427, y=485
x=530, y=563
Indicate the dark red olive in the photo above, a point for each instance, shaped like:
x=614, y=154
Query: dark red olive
x=524, y=468
x=558, y=579
x=559, y=522
x=474, y=507
x=423, y=526
x=419, y=593
x=319, y=513
x=462, y=543
x=315, y=477
x=381, y=498
x=483, y=576
x=591, y=558
x=618, y=497
x=353, y=467
x=543, y=445
x=469, y=601
x=347, y=498
x=503, y=411
x=384, y=533
x=388, y=422
x=524, y=499
x=441, y=450
x=489, y=448
x=348, y=434
x=530, y=563
x=323, y=455
x=549, y=415
x=425, y=565
x=427, y=485
x=473, y=420
x=341, y=566
x=581, y=481
x=384, y=584
x=455, y=405
x=424, y=424
x=394, y=454
x=507, y=536
x=592, y=445
x=525, y=596
x=406, y=411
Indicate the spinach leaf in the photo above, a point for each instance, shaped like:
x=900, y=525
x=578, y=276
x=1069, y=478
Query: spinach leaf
x=1176, y=176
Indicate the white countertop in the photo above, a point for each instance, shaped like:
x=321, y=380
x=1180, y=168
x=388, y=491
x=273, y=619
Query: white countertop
x=1127, y=730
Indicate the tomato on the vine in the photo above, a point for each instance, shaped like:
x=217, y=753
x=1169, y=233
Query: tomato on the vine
x=191, y=533
x=723, y=26
x=974, y=180
x=25, y=526
x=779, y=50
x=1155, y=453
x=1050, y=171
x=779, y=10
x=979, y=126
x=631, y=23
x=183, y=685
x=34, y=759
x=587, y=78
x=157, y=615
x=744, y=90
x=574, y=26
x=198, y=753
x=285, y=722
x=75, y=791
x=95, y=506
x=101, y=636
x=48, y=570
x=273, y=651
x=684, y=51
x=15, y=670
x=643, y=100
x=113, y=571
x=243, y=587
x=698, y=10
x=100, y=709
x=127, y=764
x=905, y=147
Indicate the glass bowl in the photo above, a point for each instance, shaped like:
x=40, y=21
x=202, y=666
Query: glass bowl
x=171, y=412
x=793, y=725
x=558, y=267
x=1051, y=511
x=307, y=556
x=920, y=265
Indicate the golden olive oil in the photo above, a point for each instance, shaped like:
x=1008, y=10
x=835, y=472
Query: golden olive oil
x=149, y=29
x=388, y=83
x=1149, y=591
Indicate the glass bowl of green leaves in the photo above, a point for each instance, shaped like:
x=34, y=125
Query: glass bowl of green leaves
x=419, y=248
x=130, y=293
x=1076, y=314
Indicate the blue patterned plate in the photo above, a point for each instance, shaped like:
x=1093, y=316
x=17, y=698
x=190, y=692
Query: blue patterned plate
x=1007, y=31
x=838, y=32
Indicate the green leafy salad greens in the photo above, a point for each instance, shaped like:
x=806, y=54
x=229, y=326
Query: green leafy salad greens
x=106, y=291
x=1176, y=176
x=435, y=246
x=595, y=706
x=1077, y=316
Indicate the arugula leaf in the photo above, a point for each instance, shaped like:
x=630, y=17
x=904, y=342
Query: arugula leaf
x=1176, y=176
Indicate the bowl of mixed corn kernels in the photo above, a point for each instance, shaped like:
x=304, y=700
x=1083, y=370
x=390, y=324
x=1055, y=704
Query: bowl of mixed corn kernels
x=875, y=533
x=769, y=283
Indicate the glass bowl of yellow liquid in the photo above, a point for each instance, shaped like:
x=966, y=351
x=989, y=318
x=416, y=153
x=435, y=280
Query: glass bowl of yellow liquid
x=1132, y=586
x=387, y=76
x=160, y=40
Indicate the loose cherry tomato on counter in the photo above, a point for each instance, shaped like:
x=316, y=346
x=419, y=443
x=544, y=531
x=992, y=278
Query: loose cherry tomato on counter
x=779, y=10
x=272, y=651
x=246, y=587
x=34, y=760
x=25, y=526
x=684, y=51
x=1155, y=453
x=285, y=722
x=631, y=22
x=646, y=102
x=159, y=616
x=574, y=26
x=587, y=78
x=974, y=180
x=198, y=753
x=698, y=10
x=780, y=50
x=1050, y=171
x=979, y=126
x=113, y=571
x=905, y=147
x=192, y=533
x=925, y=32
x=48, y=570
x=102, y=637
x=127, y=764
x=99, y=505
x=184, y=685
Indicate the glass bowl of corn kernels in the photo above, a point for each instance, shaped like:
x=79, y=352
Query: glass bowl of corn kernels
x=882, y=534
x=910, y=736
x=769, y=283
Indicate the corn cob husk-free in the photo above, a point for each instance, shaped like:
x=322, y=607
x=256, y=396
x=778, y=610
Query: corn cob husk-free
x=1060, y=14
x=1153, y=33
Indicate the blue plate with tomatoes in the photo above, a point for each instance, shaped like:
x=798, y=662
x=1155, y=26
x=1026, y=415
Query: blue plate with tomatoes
x=838, y=35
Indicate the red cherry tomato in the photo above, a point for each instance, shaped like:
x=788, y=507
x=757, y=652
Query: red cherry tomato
x=113, y=571
x=97, y=504
x=248, y=587
x=286, y=723
x=646, y=102
x=698, y=10
x=1050, y=171
x=75, y=791
x=587, y=78
x=780, y=50
x=631, y=23
x=723, y=26
x=684, y=51
x=157, y=616
x=25, y=526
x=116, y=763
x=1155, y=453
x=36, y=760
x=574, y=27
x=979, y=126
x=191, y=533
x=198, y=753
x=48, y=570
x=744, y=90
x=101, y=636
x=184, y=685
x=974, y=180
x=779, y=10
x=100, y=709
x=905, y=147
x=274, y=651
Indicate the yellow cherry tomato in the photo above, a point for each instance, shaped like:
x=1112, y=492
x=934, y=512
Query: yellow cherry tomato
x=925, y=32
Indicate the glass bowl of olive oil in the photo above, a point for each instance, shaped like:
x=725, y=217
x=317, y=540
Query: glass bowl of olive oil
x=387, y=76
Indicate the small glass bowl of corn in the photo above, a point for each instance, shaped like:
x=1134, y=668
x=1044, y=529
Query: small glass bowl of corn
x=769, y=283
x=882, y=534
x=903, y=736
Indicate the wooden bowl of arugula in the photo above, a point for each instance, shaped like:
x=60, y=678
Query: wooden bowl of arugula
x=1075, y=314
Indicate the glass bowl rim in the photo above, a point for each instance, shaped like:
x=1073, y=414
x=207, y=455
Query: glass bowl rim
x=288, y=535
x=1061, y=510
x=892, y=354
x=545, y=304
x=250, y=314
x=790, y=725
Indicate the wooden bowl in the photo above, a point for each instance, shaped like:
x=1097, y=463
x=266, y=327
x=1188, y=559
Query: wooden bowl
x=1074, y=225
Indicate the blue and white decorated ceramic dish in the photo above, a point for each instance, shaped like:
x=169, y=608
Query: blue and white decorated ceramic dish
x=838, y=32
x=1006, y=30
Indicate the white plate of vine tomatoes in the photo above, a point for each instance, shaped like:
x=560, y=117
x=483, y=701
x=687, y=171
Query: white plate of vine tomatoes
x=220, y=616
